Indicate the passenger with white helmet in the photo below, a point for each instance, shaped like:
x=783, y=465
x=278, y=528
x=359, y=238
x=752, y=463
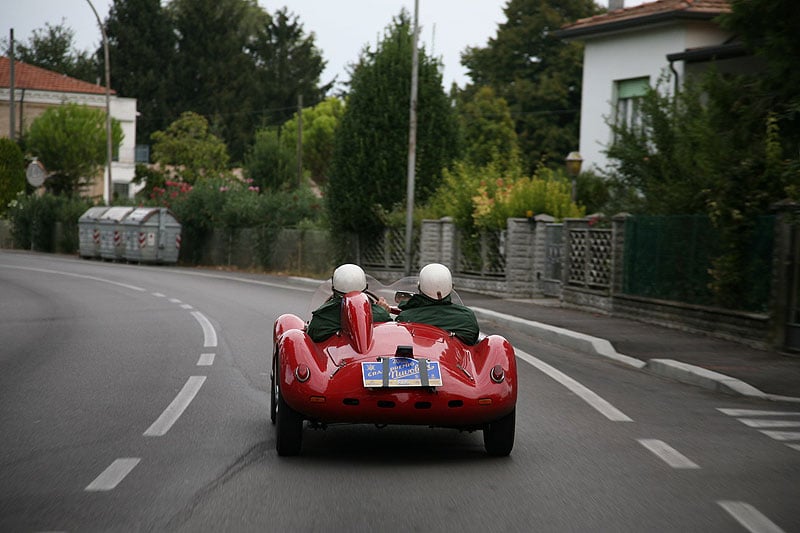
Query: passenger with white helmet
x=326, y=320
x=433, y=305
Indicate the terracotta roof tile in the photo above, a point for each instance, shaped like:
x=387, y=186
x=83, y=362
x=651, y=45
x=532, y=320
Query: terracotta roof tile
x=36, y=78
x=659, y=7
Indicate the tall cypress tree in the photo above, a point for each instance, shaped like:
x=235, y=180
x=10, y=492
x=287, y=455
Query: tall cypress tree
x=370, y=157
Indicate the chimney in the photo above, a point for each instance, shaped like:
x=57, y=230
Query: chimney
x=613, y=5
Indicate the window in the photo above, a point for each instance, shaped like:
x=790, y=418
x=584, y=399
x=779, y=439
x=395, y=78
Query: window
x=121, y=190
x=629, y=97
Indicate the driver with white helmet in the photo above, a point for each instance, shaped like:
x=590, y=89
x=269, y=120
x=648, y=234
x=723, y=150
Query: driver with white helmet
x=432, y=305
x=326, y=320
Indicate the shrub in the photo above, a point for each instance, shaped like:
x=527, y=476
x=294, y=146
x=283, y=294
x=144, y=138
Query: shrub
x=34, y=219
x=12, y=172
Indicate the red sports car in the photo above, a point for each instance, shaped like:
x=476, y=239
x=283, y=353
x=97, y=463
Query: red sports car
x=389, y=373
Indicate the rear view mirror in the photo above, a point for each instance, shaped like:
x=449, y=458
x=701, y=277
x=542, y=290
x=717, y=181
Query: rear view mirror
x=402, y=296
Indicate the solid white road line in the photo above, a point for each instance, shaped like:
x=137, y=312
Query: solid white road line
x=756, y=412
x=176, y=408
x=112, y=475
x=761, y=423
x=749, y=517
x=82, y=276
x=206, y=359
x=209, y=335
x=668, y=454
x=605, y=408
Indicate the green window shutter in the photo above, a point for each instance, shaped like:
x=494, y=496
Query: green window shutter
x=632, y=88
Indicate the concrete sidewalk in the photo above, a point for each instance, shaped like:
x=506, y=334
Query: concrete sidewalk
x=697, y=359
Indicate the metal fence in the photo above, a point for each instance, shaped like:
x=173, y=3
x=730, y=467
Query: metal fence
x=482, y=254
x=671, y=258
x=389, y=251
x=589, y=261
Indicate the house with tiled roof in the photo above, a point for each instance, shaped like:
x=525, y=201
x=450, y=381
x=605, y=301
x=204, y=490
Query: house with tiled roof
x=627, y=50
x=37, y=89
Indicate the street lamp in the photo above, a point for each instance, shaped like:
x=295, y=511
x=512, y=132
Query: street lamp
x=109, y=150
x=573, y=162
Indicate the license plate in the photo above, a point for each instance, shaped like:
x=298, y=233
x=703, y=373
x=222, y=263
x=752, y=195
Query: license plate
x=401, y=372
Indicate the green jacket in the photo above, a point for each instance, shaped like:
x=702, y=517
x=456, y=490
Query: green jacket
x=326, y=320
x=444, y=314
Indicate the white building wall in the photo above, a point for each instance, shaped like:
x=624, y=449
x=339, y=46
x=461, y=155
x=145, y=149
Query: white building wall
x=625, y=55
x=123, y=170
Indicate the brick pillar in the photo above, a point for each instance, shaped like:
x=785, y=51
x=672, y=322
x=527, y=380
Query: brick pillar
x=437, y=242
x=519, y=251
x=539, y=253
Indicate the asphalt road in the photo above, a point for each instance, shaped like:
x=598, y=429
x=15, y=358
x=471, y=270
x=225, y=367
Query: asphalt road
x=134, y=398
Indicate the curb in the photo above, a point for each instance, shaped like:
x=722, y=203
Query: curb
x=677, y=370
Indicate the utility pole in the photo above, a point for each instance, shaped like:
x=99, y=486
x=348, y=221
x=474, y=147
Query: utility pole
x=412, y=143
x=299, y=140
x=12, y=124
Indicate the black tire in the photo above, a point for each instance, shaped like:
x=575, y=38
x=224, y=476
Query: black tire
x=498, y=436
x=273, y=390
x=288, y=429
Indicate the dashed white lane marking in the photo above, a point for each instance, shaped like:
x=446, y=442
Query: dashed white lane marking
x=782, y=435
x=158, y=294
x=176, y=408
x=174, y=300
x=758, y=423
x=209, y=335
x=794, y=446
x=206, y=359
x=605, y=408
x=749, y=517
x=113, y=475
x=756, y=412
x=186, y=306
x=668, y=454
x=82, y=276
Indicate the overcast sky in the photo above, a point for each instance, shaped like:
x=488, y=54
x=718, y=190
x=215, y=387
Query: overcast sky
x=341, y=27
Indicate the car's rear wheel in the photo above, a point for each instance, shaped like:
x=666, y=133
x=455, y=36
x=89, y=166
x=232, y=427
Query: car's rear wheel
x=498, y=436
x=288, y=428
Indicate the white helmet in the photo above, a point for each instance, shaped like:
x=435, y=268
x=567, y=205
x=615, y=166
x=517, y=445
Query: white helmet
x=349, y=278
x=435, y=281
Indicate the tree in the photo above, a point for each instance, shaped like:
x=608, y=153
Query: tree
x=190, y=149
x=12, y=172
x=52, y=48
x=271, y=164
x=769, y=30
x=487, y=129
x=537, y=74
x=712, y=149
x=70, y=140
x=319, y=136
x=240, y=67
x=141, y=49
x=212, y=74
x=288, y=64
x=370, y=157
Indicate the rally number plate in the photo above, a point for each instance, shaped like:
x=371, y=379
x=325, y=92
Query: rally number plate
x=401, y=372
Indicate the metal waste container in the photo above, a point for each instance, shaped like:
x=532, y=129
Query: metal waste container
x=152, y=235
x=112, y=246
x=89, y=232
